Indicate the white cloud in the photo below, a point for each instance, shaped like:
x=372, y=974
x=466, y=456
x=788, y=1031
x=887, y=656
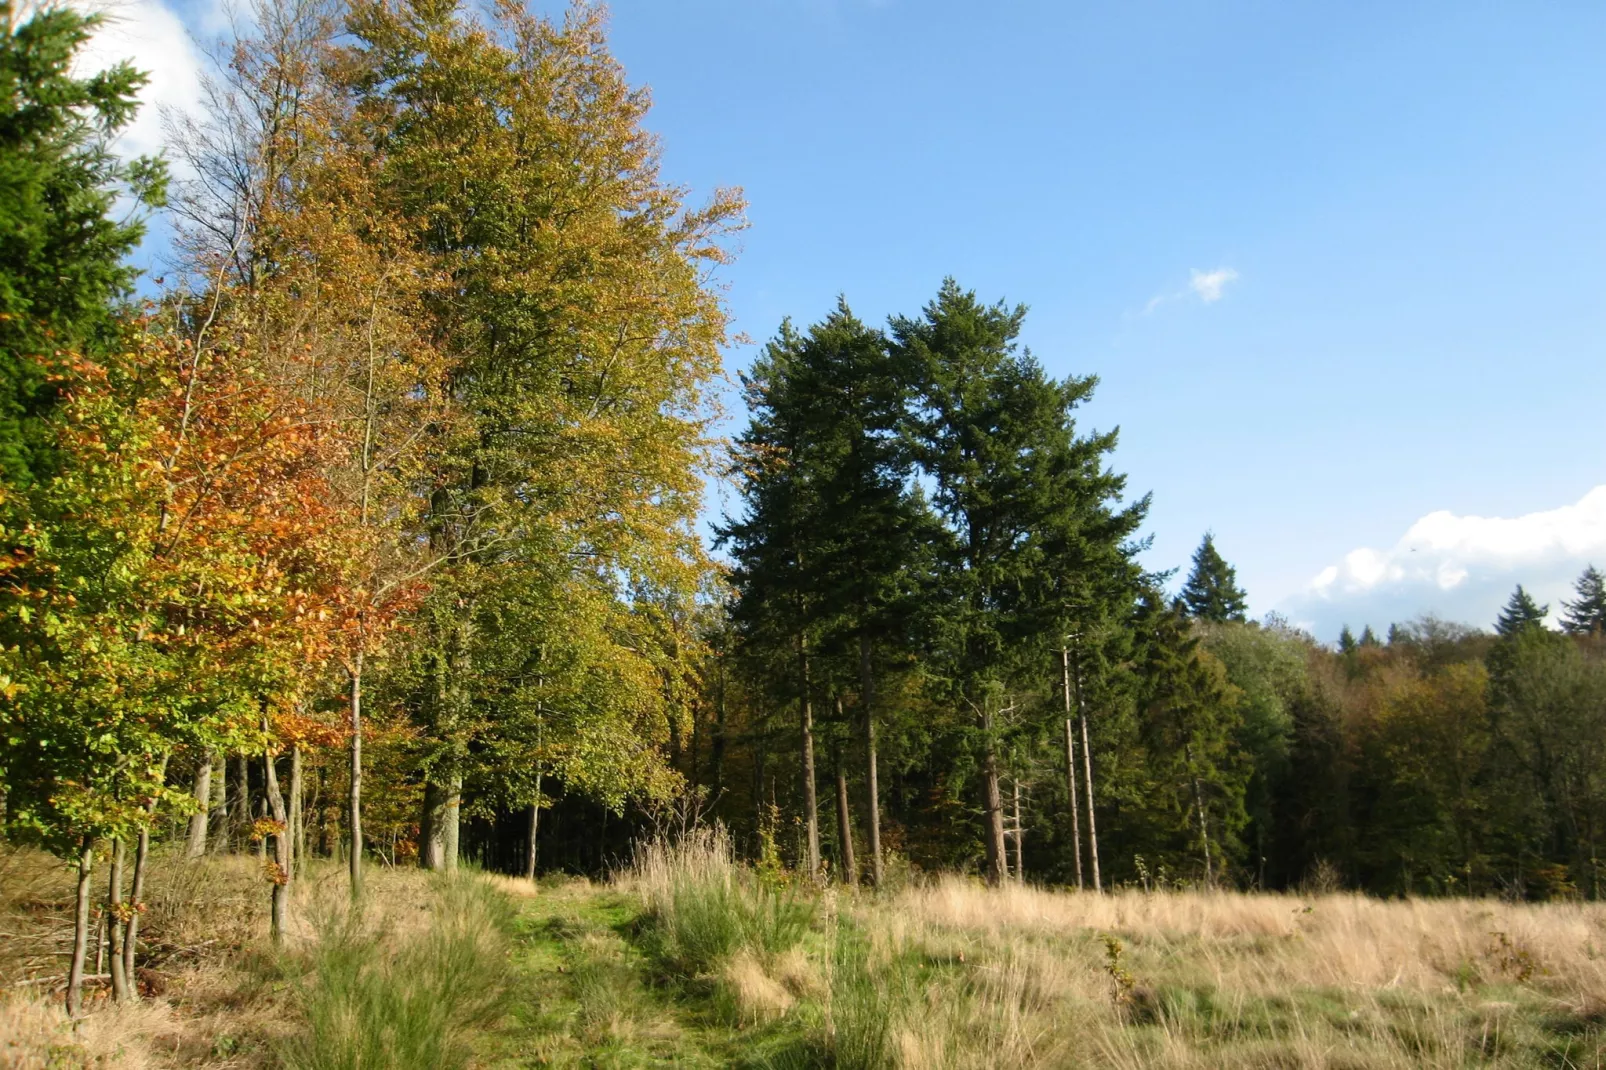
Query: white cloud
x=1459, y=567
x=154, y=39
x=1209, y=284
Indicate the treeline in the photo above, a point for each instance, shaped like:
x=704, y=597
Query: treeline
x=377, y=515
x=937, y=600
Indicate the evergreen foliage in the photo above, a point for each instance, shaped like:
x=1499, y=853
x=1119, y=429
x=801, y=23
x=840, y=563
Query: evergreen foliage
x=1211, y=591
x=1520, y=613
x=1586, y=614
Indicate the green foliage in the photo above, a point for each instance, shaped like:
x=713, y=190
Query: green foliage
x=1520, y=613
x=1586, y=614
x=1211, y=591
x=61, y=250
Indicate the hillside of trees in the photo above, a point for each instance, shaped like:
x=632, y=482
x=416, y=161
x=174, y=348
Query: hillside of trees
x=372, y=533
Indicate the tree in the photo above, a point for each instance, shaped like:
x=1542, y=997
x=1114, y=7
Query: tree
x=62, y=247
x=1212, y=592
x=1346, y=641
x=1020, y=491
x=1586, y=614
x=1521, y=612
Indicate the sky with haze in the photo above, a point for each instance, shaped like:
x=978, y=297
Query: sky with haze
x=1341, y=269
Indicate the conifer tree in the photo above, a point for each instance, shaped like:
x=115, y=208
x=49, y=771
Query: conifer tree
x=1346, y=641
x=62, y=247
x=1586, y=614
x=1521, y=613
x=1212, y=592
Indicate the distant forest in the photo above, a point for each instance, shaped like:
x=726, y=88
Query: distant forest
x=373, y=532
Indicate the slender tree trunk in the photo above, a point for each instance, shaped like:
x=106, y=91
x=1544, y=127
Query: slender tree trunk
x=993, y=804
x=279, y=907
x=1020, y=836
x=136, y=892
x=811, y=814
x=80, y=932
x=298, y=833
x=1070, y=766
x=203, y=805
x=1092, y=826
x=452, y=813
x=872, y=789
x=844, y=818
x=354, y=810
x=535, y=826
x=114, y=910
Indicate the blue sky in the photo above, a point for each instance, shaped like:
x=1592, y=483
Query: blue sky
x=1340, y=267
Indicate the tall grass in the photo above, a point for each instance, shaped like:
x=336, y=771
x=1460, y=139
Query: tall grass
x=705, y=908
x=377, y=994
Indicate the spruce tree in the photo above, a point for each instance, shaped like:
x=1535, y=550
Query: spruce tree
x=1212, y=591
x=1586, y=614
x=62, y=247
x=1521, y=613
x=1346, y=641
x=1369, y=638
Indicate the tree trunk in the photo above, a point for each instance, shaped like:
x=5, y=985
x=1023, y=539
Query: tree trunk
x=535, y=826
x=1092, y=827
x=203, y=805
x=872, y=790
x=354, y=810
x=217, y=823
x=80, y=932
x=452, y=813
x=114, y=911
x=431, y=828
x=811, y=815
x=298, y=832
x=844, y=819
x=1070, y=766
x=279, y=907
x=1020, y=836
x=136, y=890
x=993, y=804
x=241, y=816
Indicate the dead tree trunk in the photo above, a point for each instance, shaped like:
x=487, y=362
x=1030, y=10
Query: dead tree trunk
x=1087, y=780
x=811, y=813
x=1204, y=826
x=1020, y=836
x=872, y=790
x=196, y=847
x=80, y=932
x=1070, y=766
x=535, y=826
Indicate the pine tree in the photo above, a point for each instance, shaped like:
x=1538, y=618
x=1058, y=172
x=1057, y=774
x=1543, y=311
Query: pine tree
x=1212, y=591
x=1521, y=612
x=1586, y=614
x=62, y=247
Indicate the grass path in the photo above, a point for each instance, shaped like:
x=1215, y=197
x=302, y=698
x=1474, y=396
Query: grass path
x=589, y=993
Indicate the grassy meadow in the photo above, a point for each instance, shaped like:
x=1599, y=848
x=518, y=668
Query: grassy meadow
x=689, y=959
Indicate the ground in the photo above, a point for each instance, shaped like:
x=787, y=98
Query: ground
x=691, y=961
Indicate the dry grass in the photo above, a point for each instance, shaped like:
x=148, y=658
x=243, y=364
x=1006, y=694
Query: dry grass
x=1026, y=977
x=216, y=993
